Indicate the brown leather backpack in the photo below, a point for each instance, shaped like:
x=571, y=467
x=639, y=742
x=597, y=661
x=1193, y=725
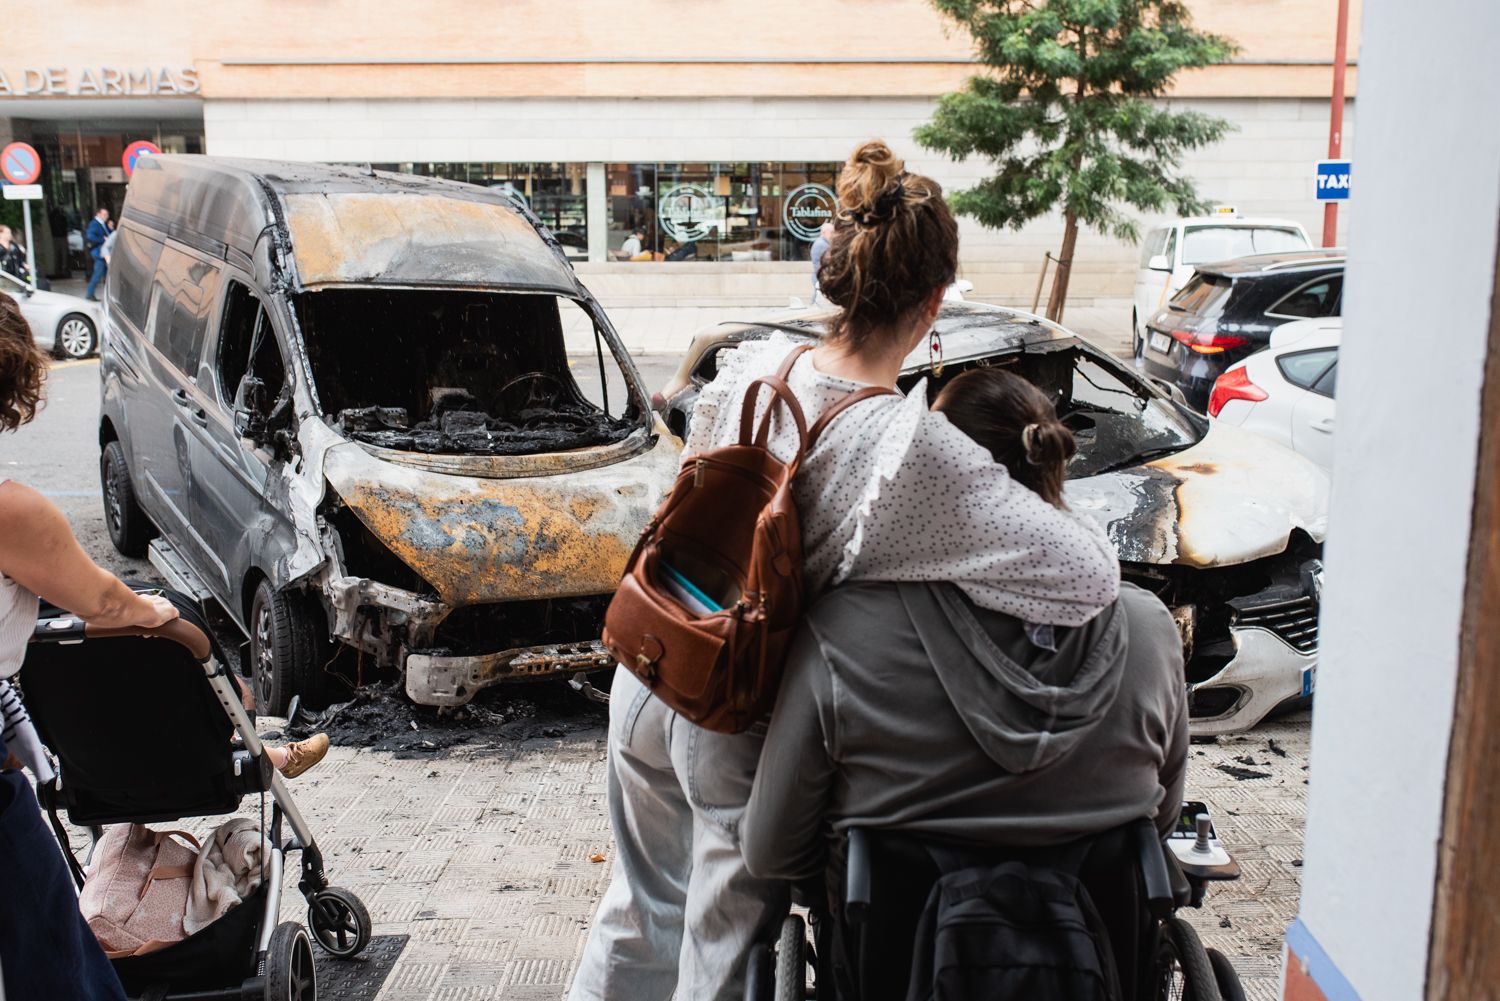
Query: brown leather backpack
x=713, y=591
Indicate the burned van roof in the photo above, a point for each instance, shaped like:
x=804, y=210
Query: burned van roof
x=350, y=226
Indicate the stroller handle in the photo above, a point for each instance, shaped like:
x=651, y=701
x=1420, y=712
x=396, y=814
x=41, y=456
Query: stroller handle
x=70, y=628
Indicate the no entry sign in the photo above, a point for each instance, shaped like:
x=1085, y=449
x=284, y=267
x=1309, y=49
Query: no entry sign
x=135, y=151
x=20, y=164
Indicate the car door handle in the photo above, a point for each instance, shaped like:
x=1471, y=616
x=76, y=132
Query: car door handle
x=199, y=417
x=1325, y=424
x=181, y=398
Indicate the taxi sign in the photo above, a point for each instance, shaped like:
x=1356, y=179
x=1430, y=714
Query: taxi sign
x=135, y=151
x=20, y=163
x=1333, y=180
x=1226, y=210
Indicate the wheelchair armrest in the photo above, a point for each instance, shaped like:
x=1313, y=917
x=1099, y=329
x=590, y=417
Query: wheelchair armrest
x=1161, y=895
x=857, y=876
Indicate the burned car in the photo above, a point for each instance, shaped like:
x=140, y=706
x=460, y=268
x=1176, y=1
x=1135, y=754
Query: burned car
x=1225, y=527
x=338, y=407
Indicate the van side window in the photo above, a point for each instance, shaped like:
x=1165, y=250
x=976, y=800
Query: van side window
x=188, y=288
x=1154, y=243
x=1171, y=248
x=247, y=325
x=133, y=264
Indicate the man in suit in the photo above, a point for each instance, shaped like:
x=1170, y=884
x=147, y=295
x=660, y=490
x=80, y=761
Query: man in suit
x=98, y=232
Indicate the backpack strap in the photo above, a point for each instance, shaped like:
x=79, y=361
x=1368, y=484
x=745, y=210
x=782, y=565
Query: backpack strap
x=858, y=396
x=780, y=390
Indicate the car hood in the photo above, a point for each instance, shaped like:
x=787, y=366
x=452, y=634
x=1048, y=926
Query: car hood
x=478, y=539
x=1232, y=498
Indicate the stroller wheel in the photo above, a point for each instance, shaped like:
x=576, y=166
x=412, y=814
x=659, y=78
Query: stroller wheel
x=339, y=922
x=290, y=975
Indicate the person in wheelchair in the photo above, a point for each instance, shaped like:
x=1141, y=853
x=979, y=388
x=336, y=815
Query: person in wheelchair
x=951, y=731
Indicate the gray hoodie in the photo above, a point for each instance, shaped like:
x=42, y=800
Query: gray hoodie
x=906, y=707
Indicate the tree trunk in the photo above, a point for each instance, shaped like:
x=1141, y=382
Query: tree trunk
x=1059, y=296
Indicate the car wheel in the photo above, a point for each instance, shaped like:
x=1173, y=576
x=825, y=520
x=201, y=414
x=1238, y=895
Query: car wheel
x=286, y=650
x=129, y=528
x=76, y=337
x=1137, y=342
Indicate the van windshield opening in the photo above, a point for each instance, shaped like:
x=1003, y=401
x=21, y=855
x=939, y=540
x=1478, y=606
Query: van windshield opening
x=462, y=373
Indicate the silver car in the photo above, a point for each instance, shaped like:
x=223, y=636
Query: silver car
x=63, y=324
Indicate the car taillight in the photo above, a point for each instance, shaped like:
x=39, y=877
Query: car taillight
x=1233, y=385
x=1208, y=343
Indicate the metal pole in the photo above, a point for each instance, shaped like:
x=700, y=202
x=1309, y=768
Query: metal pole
x=1336, y=118
x=30, y=253
x=1036, y=298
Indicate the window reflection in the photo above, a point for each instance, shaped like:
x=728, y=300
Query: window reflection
x=740, y=212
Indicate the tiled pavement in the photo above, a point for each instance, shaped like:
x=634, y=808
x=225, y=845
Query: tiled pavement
x=483, y=857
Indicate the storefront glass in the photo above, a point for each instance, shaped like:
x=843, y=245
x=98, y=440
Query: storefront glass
x=82, y=173
x=556, y=192
x=718, y=211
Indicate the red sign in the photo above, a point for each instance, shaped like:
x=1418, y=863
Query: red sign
x=20, y=164
x=135, y=151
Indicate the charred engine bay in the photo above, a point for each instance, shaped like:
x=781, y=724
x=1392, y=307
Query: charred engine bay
x=444, y=371
x=457, y=427
x=381, y=717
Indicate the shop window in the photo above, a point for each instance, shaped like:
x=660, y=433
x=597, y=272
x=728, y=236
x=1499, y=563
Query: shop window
x=739, y=212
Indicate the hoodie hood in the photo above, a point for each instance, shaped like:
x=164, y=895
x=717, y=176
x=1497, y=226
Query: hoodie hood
x=1025, y=706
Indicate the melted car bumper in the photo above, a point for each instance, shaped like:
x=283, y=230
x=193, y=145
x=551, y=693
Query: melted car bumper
x=1265, y=673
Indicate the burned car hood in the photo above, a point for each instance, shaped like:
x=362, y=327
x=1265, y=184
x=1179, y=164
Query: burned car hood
x=477, y=539
x=1232, y=498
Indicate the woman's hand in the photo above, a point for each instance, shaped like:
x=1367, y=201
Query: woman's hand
x=153, y=610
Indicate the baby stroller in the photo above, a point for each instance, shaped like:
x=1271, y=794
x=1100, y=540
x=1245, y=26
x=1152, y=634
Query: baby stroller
x=863, y=949
x=91, y=692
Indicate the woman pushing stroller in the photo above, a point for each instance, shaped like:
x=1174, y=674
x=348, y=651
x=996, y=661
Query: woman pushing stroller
x=39, y=556
x=891, y=492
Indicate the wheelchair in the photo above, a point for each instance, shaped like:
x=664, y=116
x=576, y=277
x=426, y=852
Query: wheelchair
x=863, y=950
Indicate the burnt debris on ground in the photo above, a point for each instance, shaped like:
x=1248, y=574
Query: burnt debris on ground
x=382, y=718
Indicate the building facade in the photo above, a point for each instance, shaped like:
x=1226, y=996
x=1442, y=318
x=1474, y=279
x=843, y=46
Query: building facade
x=713, y=127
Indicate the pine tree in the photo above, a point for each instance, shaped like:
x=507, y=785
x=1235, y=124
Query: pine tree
x=1065, y=114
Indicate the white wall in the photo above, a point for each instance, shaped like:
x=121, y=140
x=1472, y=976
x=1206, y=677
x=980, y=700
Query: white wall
x=1409, y=392
x=1264, y=167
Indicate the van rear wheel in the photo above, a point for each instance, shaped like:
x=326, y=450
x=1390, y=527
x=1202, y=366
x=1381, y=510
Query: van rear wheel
x=287, y=647
x=129, y=528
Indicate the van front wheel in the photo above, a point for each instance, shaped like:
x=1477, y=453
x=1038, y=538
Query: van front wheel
x=286, y=650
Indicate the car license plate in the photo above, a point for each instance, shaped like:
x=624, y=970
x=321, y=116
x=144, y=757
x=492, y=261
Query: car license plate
x=1160, y=343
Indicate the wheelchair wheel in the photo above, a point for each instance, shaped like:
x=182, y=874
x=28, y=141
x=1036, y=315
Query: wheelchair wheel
x=791, y=960
x=1228, y=981
x=1183, y=970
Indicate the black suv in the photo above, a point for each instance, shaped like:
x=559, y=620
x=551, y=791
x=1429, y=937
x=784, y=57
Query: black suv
x=1227, y=311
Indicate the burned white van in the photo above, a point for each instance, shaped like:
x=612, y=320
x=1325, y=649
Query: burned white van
x=339, y=404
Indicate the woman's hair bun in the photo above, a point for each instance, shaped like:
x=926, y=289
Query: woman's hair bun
x=1048, y=443
x=869, y=172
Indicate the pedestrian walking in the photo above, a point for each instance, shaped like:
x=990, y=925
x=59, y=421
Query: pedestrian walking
x=12, y=255
x=94, y=240
x=819, y=248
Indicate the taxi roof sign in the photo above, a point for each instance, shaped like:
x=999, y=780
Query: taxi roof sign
x=1226, y=210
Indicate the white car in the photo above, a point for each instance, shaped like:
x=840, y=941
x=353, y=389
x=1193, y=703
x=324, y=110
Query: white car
x=1286, y=391
x=66, y=325
x=1172, y=250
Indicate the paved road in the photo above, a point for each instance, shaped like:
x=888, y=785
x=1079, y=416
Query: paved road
x=483, y=856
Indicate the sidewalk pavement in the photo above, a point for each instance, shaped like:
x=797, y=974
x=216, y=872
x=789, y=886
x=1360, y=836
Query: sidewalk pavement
x=484, y=857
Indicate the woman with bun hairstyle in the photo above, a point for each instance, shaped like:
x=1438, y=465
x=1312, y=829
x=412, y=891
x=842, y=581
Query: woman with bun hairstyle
x=892, y=491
